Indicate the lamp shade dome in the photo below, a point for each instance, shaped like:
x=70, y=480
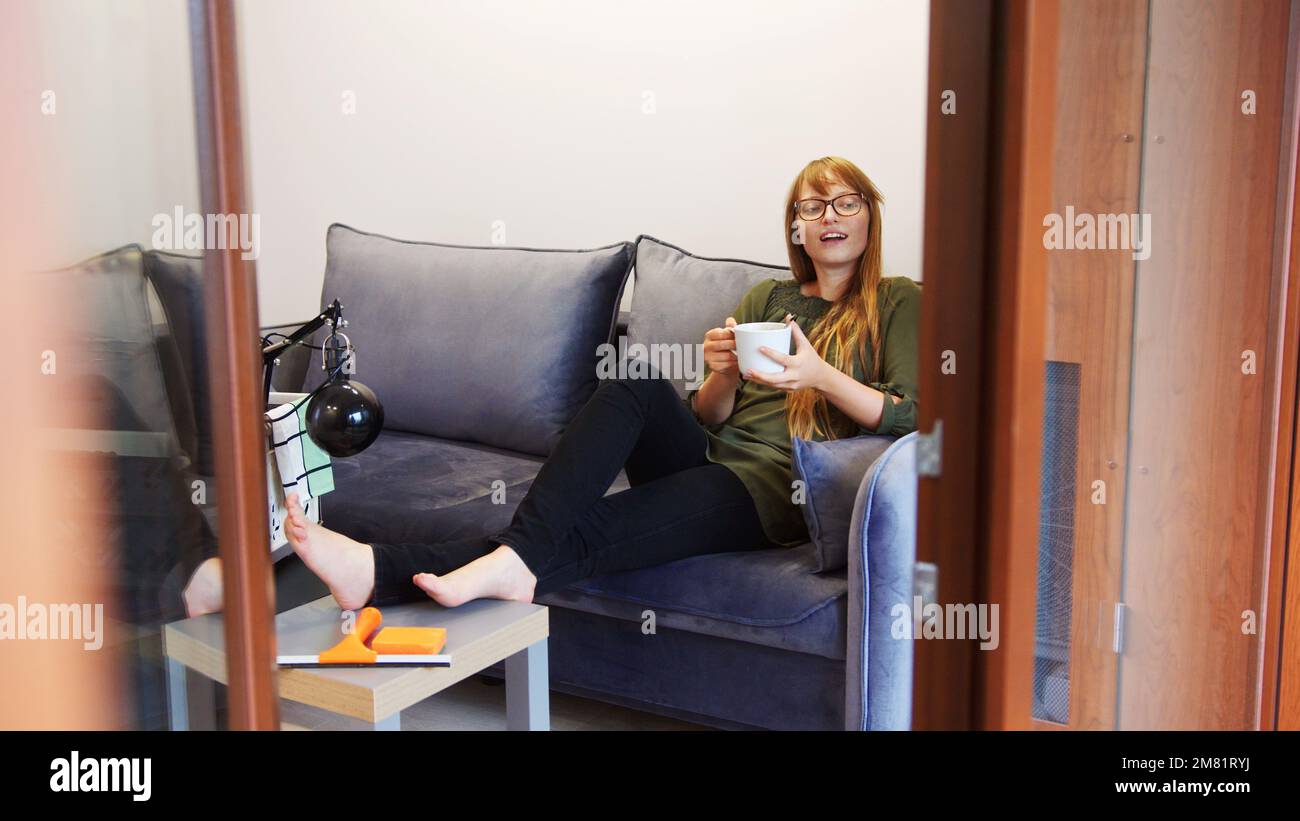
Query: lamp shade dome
x=344, y=418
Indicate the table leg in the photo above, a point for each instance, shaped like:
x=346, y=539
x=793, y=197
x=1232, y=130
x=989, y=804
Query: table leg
x=178, y=701
x=392, y=723
x=528, y=695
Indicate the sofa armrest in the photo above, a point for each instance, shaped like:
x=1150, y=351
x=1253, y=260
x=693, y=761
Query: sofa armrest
x=882, y=550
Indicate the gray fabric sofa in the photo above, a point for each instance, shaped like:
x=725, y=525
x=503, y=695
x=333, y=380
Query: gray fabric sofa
x=454, y=340
x=739, y=639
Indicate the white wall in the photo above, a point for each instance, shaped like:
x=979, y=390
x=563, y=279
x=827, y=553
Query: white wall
x=532, y=114
x=105, y=119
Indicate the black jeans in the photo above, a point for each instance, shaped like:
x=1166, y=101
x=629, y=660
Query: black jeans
x=566, y=528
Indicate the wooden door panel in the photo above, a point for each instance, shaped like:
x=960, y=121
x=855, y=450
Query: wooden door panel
x=1198, y=443
x=1097, y=170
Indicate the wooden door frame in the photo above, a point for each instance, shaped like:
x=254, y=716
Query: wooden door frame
x=991, y=160
x=988, y=170
x=1279, y=662
x=239, y=438
x=988, y=183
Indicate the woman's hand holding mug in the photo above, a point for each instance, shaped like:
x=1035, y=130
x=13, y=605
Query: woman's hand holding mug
x=720, y=349
x=803, y=369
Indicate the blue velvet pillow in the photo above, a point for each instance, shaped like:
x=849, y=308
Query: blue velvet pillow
x=832, y=472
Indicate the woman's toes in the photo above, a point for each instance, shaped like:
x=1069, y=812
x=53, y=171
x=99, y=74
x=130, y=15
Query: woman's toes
x=429, y=583
x=440, y=589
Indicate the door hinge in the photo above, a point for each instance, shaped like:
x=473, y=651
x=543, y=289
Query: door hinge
x=1117, y=644
x=925, y=582
x=929, y=451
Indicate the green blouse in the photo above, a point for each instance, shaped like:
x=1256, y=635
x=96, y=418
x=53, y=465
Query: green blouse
x=754, y=441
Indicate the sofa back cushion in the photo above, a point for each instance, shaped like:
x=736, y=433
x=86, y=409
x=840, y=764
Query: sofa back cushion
x=178, y=280
x=679, y=296
x=121, y=367
x=484, y=344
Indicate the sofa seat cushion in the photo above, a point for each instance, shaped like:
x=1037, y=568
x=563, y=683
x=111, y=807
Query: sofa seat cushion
x=408, y=487
x=768, y=597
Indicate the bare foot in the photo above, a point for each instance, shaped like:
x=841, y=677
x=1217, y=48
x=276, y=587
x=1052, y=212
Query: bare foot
x=345, y=565
x=500, y=574
x=204, y=592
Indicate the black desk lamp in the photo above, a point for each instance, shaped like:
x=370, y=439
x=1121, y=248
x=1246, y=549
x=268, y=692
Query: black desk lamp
x=343, y=416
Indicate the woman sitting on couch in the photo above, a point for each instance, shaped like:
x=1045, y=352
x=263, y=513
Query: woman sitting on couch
x=718, y=479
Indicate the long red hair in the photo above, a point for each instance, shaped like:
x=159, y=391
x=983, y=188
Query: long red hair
x=853, y=320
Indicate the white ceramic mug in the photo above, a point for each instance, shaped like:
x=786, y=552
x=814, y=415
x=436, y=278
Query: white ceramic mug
x=753, y=335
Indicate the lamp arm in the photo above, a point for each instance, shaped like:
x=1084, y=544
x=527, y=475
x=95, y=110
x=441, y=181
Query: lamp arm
x=331, y=315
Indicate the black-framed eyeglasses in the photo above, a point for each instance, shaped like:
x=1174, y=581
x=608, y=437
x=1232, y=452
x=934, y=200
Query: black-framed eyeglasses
x=846, y=205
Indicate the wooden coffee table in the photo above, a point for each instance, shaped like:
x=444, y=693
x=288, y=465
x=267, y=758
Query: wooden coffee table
x=479, y=634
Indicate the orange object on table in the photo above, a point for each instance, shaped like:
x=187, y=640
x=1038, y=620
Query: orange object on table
x=415, y=640
x=352, y=649
x=368, y=645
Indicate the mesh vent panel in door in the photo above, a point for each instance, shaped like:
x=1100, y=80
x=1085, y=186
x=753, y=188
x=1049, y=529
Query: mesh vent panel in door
x=1057, y=496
